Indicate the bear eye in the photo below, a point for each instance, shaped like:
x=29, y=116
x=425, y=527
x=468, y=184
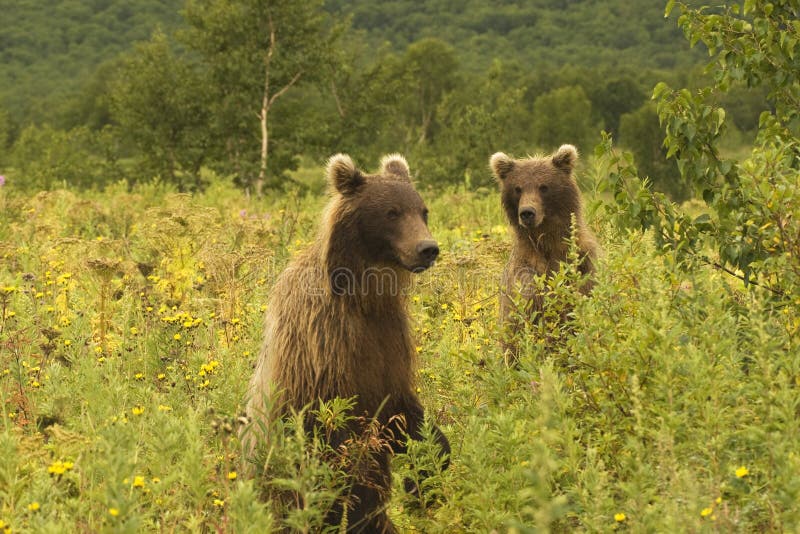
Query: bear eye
x=543, y=188
x=425, y=215
x=393, y=213
x=518, y=190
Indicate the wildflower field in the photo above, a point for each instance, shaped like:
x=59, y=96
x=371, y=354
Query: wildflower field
x=130, y=321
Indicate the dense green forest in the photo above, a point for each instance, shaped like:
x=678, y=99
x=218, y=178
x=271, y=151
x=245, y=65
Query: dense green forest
x=49, y=50
x=612, y=33
x=137, y=91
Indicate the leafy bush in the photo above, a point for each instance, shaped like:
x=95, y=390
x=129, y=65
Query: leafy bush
x=751, y=220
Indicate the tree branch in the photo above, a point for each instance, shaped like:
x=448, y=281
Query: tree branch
x=284, y=88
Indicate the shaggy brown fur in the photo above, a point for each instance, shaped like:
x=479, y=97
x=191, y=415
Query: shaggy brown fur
x=337, y=324
x=539, y=196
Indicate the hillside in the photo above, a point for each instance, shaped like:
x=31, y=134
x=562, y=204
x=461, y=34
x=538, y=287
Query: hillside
x=47, y=54
x=535, y=32
x=48, y=49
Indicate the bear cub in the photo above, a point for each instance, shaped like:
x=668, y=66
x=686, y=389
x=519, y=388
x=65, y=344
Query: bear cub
x=540, y=198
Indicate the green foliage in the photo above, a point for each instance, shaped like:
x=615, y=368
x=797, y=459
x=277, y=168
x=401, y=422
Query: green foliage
x=563, y=114
x=253, y=53
x=48, y=50
x=536, y=33
x=130, y=320
x=160, y=105
x=45, y=158
x=751, y=203
x=641, y=132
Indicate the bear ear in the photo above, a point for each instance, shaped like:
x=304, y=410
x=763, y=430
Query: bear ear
x=565, y=157
x=501, y=165
x=343, y=175
x=395, y=164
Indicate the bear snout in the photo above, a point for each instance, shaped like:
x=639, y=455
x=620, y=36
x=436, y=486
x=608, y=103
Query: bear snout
x=527, y=216
x=428, y=251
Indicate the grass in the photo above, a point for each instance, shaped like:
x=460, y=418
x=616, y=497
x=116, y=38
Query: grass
x=129, y=323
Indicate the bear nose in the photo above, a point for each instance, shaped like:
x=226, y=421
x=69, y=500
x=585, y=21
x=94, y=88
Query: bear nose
x=428, y=250
x=527, y=214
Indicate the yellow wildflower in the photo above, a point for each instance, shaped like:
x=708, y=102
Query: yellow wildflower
x=742, y=472
x=113, y=512
x=232, y=475
x=138, y=481
x=59, y=468
x=620, y=517
x=705, y=512
x=34, y=506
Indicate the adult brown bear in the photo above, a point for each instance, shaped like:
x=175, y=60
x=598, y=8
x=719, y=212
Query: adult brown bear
x=541, y=200
x=337, y=324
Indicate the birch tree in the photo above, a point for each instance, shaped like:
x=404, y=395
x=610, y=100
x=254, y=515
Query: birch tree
x=256, y=52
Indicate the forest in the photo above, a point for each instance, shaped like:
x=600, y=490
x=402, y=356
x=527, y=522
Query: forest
x=161, y=163
x=136, y=93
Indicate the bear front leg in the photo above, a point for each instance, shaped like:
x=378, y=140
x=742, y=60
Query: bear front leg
x=414, y=416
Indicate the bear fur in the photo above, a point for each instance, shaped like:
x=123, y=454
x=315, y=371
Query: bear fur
x=337, y=324
x=540, y=198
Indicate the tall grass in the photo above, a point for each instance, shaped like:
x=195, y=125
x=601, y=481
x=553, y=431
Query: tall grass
x=130, y=322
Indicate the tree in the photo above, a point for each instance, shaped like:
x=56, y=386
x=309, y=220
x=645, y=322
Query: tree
x=45, y=158
x=255, y=52
x=615, y=97
x=160, y=105
x=432, y=68
x=478, y=118
x=754, y=204
x=640, y=132
x=563, y=115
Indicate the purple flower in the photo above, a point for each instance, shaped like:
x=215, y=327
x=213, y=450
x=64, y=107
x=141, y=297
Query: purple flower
x=2, y=180
x=243, y=214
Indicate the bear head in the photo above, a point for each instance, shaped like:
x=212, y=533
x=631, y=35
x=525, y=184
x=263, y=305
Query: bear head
x=538, y=193
x=381, y=216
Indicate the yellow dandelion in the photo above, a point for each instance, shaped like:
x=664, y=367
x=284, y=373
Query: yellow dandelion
x=742, y=472
x=232, y=475
x=134, y=331
x=113, y=512
x=137, y=410
x=67, y=342
x=176, y=337
x=164, y=408
x=705, y=512
x=34, y=506
x=138, y=481
x=620, y=517
x=219, y=503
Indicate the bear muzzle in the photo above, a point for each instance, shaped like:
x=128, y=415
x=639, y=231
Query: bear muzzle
x=427, y=252
x=527, y=216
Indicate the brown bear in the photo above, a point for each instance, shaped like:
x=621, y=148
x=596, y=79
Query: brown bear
x=337, y=324
x=540, y=198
